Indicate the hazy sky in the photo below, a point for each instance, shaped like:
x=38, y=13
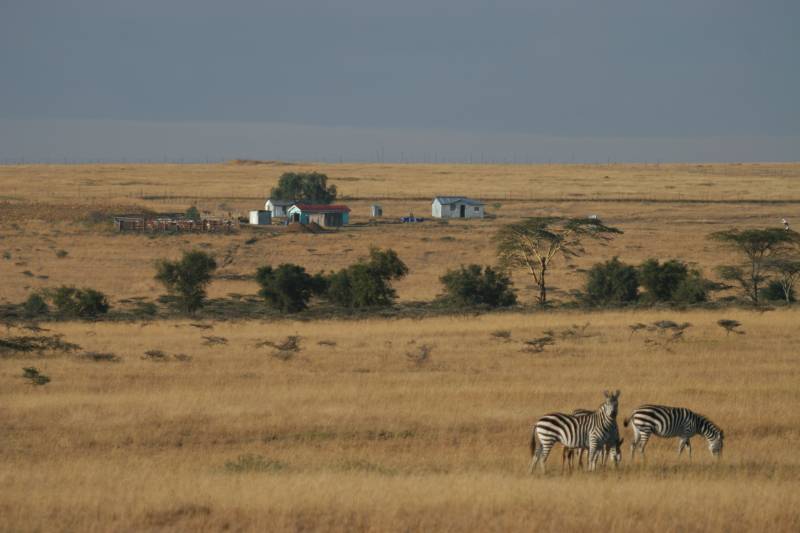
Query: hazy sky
x=407, y=79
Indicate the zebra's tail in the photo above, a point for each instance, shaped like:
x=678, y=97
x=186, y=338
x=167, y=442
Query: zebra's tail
x=626, y=422
x=533, y=442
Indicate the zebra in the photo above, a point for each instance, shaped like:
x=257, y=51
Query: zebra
x=612, y=447
x=670, y=422
x=588, y=431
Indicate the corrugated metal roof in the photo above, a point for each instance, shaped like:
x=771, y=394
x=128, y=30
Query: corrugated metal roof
x=281, y=202
x=446, y=200
x=322, y=208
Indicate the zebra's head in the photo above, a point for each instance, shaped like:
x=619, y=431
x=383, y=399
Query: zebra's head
x=611, y=405
x=715, y=443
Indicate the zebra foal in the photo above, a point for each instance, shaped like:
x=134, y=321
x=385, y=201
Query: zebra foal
x=590, y=432
x=667, y=422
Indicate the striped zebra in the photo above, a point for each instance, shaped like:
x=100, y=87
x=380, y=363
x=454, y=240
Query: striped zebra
x=668, y=422
x=587, y=431
x=610, y=448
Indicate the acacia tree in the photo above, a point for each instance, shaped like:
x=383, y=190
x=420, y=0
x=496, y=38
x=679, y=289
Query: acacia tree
x=758, y=246
x=787, y=273
x=534, y=243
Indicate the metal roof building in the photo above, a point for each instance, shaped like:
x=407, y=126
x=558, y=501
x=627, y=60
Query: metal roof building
x=456, y=207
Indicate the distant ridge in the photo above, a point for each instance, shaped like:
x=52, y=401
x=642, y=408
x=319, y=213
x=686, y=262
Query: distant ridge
x=258, y=162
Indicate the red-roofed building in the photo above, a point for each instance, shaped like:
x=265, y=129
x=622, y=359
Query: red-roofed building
x=327, y=216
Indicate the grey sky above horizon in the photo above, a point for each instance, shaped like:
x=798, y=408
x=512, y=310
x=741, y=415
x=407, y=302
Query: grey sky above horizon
x=369, y=80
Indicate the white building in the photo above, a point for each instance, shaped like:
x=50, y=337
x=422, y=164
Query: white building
x=260, y=218
x=456, y=207
x=279, y=208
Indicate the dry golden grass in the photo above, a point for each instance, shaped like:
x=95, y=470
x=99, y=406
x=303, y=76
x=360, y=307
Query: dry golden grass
x=349, y=433
x=355, y=436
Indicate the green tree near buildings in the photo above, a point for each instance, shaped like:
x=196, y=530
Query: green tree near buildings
x=307, y=187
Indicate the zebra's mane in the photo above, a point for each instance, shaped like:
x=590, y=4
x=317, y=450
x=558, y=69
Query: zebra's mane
x=708, y=424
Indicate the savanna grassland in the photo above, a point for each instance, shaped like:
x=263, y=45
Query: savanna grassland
x=386, y=424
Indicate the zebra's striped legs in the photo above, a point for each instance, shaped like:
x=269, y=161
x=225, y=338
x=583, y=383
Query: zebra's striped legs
x=594, y=455
x=640, y=439
x=544, y=452
x=685, y=443
x=540, y=456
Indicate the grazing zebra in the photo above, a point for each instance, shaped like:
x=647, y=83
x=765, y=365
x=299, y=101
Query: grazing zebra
x=588, y=431
x=612, y=447
x=670, y=422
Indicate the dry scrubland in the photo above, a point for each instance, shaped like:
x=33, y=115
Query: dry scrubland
x=349, y=433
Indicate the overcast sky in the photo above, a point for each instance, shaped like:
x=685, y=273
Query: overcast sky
x=509, y=80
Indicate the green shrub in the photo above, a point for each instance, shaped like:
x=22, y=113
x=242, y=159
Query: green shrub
x=35, y=306
x=774, y=292
x=662, y=280
x=367, y=283
x=193, y=213
x=471, y=286
x=288, y=287
x=83, y=303
x=693, y=289
x=611, y=283
x=187, y=279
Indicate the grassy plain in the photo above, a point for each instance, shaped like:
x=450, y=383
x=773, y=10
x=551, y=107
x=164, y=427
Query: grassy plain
x=351, y=433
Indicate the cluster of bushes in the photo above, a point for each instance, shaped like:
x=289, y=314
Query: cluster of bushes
x=67, y=302
x=367, y=283
x=616, y=283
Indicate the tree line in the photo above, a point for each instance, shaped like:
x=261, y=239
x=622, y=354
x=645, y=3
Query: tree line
x=768, y=267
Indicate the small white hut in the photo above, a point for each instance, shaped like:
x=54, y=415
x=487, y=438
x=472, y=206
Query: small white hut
x=456, y=207
x=260, y=218
x=279, y=208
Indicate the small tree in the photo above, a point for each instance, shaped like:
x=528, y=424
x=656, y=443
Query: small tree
x=534, y=243
x=187, y=279
x=469, y=286
x=367, y=283
x=757, y=246
x=193, y=213
x=611, y=283
x=311, y=187
x=74, y=302
x=661, y=280
x=288, y=287
x=786, y=271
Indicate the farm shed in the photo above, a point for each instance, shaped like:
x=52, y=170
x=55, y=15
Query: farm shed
x=456, y=207
x=327, y=216
x=375, y=210
x=260, y=218
x=278, y=208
